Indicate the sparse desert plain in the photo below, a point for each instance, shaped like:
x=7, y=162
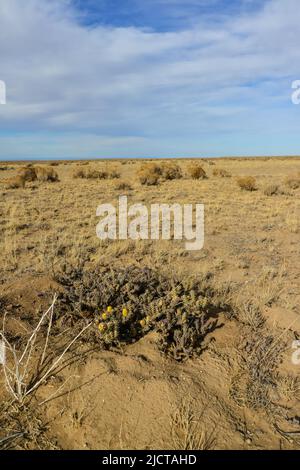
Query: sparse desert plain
x=142, y=344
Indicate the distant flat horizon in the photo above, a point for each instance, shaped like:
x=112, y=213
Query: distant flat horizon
x=227, y=157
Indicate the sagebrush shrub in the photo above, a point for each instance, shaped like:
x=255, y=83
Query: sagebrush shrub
x=171, y=171
x=80, y=173
x=15, y=182
x=114, y=174
x=221, y=172
x=149, y=174
x=123, y=186
x=247, y=183
x=293, y=181
x=196, y=171
x=271, y=190
x=46, y=173
x=95, y=174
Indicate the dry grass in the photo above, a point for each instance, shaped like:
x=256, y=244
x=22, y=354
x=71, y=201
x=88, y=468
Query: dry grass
x=149, y=174
x=95, y=174
x=293, y=181
x=196, y=171
x=44, y=173
x=221, y=172
x=288, y=387
x=15, y=183
x=20, y=365
x=171, y=171
x=123, y=186
x=247, y=183
x=272, y=190
x=187, y=430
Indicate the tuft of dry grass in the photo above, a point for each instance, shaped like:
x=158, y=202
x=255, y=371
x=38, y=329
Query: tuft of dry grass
x=28, y=173
x=123, y=186
x=114, y=174
x=79, y=173
x=293, y=181
x=149, y=174
x=93, y=174
x=250, y=314
x=46, y=173
x=15, y=183
x=196, y=171
x=187, y=432
x=247, y=183
x=171, y=171
x=288, y=387
x=221, y=172
x=271, y=190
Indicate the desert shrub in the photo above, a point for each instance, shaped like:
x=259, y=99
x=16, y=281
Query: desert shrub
x=261, y=354
x=15, y=183
x=271, y=190
x=54, y=164
x=171, y=171
x=126, y=304
x=114, y=174
x=92, y=174
x=4, y=168
x=221, y=172
x=247, y=183
x=46, y=173
x=95, y=174
x=293, y=181
x=103, y=175
x=196, y=171
x=28, y=173
x=80, y=173
x=123, y=186
x=149, y=174
x=152, y=173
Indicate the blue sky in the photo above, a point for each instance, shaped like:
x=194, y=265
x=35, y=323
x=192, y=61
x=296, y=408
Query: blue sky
x=160, y=15
x=138, y=78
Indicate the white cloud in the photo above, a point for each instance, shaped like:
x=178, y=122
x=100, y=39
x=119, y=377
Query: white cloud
x=212, y=79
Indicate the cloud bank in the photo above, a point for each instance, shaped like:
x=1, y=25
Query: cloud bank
x=220, y=86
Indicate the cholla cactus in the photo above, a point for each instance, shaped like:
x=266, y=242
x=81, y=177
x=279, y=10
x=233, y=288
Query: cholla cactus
x=128, y=303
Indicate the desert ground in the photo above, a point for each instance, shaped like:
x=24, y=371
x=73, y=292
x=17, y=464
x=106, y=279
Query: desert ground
x=141, y=344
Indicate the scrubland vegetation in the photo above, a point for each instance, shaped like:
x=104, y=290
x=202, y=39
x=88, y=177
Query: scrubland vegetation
x=124, y=344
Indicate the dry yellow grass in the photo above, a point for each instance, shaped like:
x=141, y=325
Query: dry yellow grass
x=196, y=171
x=247, y=183
x=221, y=172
